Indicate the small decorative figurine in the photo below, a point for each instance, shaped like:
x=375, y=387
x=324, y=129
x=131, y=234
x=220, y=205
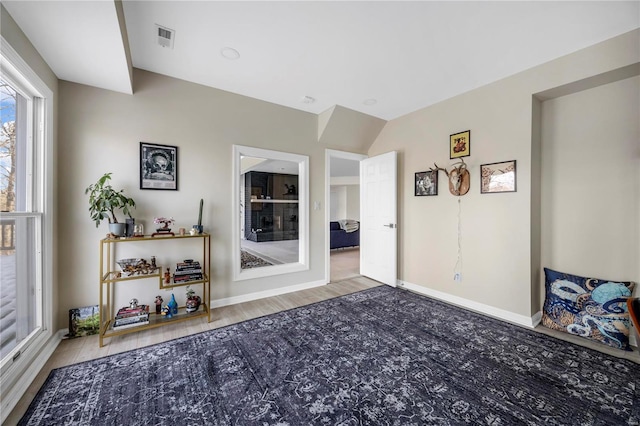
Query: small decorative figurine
x=133, y=303
x=166, y=311
x=167, y=277
x=159, y=305
x=153, y=262
x=173, y=305
x=164, y=229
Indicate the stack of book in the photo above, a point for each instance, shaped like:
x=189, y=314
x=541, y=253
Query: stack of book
x=131, y=317
x=187, y=271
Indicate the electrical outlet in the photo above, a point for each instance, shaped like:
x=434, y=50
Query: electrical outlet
x=457, y=277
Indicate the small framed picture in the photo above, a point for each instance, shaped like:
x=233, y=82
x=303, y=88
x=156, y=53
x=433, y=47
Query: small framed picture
x=158, y=166
x=498, y=177
x=460, y=144
x=426, y=183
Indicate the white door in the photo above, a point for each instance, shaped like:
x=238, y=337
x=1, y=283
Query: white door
x=378, y=215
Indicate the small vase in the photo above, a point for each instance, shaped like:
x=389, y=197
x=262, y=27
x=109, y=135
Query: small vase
x=193, y=303
x=173, y=305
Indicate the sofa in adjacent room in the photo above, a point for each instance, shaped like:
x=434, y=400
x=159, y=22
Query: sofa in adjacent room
x=339, y=238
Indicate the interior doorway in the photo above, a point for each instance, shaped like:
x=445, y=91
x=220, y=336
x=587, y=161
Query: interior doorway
x=342, y=212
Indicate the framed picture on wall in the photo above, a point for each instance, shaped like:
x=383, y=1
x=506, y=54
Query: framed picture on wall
x=426, y=183
x=460, y=144
x=498, y=177
x=158, y=166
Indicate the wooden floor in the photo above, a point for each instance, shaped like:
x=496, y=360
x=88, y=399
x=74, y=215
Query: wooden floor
x=86, y=348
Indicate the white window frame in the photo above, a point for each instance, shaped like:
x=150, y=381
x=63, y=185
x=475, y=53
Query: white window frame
x=22, y=365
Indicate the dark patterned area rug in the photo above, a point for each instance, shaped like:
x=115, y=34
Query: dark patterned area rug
x=382, y=356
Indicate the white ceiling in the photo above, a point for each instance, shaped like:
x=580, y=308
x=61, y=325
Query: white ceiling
x=405, y=55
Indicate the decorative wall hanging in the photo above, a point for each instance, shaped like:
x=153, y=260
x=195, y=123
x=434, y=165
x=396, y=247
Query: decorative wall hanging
x=158, y=166
x=426, y=183
x=498, y=177
x=460, y=144
x=459, y=177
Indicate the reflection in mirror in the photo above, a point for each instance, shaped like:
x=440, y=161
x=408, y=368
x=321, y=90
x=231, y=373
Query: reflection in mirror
x=272, y=219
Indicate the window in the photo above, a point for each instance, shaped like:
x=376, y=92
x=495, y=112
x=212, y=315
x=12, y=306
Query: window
x=25, y=222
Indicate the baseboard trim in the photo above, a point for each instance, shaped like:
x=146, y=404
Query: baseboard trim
x=263, y=294
x=501, y=314
x=11, y=396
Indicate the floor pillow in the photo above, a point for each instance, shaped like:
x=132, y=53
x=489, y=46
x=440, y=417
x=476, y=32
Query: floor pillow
x=595, y=309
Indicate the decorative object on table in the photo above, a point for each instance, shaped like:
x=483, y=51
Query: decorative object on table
x=426, y=183
x=158, y=166
x=593, y=308
x=136, y=266
x=182, y=231
x=193, y=301
x=164, y=228
x=131, y=316
x=83, y=321
x=167, y=276
x=193, y=231
x=153, y=262
x=130, y=224
x=188, y=270
x=173, y=305
x=460, y=144
x=138, y=230
x=104, y=201
x=498, y=177
x=133, y=303
x=459, y=177
x=158, y=303
x=166, y=312
x=199, y=227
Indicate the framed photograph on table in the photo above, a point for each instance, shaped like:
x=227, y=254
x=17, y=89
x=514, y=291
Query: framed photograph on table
x=158, y=166
x=460, y=144
x=498, y=177
x=426, y=183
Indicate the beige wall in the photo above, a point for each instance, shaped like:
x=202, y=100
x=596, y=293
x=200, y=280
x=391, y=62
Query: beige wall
x=100, y=132
x=591, y=182
x=499, y=268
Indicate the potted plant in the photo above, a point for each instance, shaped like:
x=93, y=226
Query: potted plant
x=104, y=201
x=193, y=301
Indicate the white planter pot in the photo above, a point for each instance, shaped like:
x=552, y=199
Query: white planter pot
x=117, y=229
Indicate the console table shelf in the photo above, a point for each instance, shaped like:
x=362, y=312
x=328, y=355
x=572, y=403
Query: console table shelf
x=110, y=278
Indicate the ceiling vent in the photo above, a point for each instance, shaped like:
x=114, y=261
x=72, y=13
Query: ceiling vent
x=165, y=36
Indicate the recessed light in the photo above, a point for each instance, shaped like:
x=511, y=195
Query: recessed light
x=308, y=100
x=230, y=53
x=370, y=101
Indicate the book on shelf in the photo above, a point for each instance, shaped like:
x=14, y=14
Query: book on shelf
x=188, y=265
x=131, y=324
x=130, y=320
x=129, y=312
x=188, y=271
x=186, y=278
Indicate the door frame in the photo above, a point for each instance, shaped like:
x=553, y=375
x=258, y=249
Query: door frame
x=329, y=154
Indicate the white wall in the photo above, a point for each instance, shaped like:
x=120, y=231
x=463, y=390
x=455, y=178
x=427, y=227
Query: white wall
x=353, y=202
x=591, y=182
x=345, y=202
x=338, y=198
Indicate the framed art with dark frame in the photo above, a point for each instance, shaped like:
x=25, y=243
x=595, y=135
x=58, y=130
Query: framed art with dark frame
x=460, y=144
x=426, y=183
x=158, y=166
x=498, y=177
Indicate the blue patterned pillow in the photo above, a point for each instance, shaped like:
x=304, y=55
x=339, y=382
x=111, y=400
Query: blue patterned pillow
x=592, y=308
